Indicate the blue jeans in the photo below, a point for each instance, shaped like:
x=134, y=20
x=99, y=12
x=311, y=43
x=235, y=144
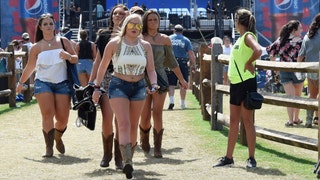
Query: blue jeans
x=54, y=88
x=134, y=91
x=85, y=66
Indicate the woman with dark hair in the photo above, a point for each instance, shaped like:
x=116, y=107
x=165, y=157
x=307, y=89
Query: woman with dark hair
x=287, y=47
x=309, y=52
x=241, y=73
x=163, y=57
x=86, y=51
x=118, y=14
x=49, y=56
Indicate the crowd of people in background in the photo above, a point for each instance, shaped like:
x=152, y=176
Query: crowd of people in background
x=132, y=53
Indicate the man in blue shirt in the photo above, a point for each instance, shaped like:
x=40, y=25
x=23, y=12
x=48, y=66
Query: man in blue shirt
x=183, y=52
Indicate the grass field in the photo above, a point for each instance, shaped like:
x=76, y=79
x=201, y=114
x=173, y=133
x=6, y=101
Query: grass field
x=272, y=157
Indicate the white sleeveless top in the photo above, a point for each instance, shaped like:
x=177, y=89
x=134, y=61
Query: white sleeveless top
x=50, y=67
x=130, y=60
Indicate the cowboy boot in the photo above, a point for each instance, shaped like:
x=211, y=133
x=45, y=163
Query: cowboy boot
x=59, y=143
x=117, y=155
x=144, y=139
x=48, y=138
x=107, y=150
x=157, y=139
x=126, y=152
x=133, y=149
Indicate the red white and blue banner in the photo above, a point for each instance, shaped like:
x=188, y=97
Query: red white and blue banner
x=21, y=16
x=273, y=14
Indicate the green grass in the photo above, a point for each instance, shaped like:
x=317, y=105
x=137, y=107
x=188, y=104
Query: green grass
x=273, y=158
x=4, y=108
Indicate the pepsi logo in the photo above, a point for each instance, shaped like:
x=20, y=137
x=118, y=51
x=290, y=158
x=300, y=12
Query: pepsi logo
x=33, y=7
x=283, y=4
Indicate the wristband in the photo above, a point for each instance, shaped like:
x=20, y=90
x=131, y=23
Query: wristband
x=96, y=86
x=91, y=84
x=20, y=83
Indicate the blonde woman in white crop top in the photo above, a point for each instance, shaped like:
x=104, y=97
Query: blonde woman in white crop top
x=51, y=88
x=127, y=92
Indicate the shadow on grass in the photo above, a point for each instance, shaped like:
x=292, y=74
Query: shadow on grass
x=4, y=108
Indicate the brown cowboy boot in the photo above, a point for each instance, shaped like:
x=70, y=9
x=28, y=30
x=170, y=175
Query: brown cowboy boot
x=59, y=143
x=157, y=138
x=144, y=139
x=107, y=150
x=126, y=152
x=48, y=138
x=117, y=155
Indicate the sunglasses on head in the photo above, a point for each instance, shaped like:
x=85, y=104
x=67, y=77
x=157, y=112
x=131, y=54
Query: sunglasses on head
x=131, y=25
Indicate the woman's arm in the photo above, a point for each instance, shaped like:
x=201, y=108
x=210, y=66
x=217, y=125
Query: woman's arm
x=69, y=52
x=150, y=64
x=30, y=67
x=95, y=67
x=257, y=51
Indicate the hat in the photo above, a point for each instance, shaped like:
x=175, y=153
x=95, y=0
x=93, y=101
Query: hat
x=25, y=36
x=136, y=9
x=178, y=28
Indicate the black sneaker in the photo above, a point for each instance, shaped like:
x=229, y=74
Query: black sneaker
x=251, y=162
x=224, y=162
x=170, y=106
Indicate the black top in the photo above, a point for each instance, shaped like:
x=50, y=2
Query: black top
x=85, y=51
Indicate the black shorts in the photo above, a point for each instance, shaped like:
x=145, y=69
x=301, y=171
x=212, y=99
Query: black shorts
x=238, y=91
x=172, y=78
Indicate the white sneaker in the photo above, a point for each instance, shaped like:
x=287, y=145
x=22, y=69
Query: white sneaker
x=183, y=106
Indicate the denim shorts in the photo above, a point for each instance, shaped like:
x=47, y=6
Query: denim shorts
x=85, y=66
x=134, y=91
x=286, y=77
x=54, y=88
x=172, y=78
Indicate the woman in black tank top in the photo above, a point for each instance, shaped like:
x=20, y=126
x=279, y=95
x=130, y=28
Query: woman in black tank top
x=86, y=51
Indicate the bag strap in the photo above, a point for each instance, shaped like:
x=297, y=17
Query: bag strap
x=238, y=70
x=62, y=44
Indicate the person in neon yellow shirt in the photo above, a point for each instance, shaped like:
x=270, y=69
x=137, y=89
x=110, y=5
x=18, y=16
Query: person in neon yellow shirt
x=242, y=78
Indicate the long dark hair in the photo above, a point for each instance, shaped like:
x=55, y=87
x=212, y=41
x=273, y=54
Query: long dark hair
x=246, y=19
x=145, y=21
x=111, y=25
x=314, y=27
x=286, y=30
x=39, y=34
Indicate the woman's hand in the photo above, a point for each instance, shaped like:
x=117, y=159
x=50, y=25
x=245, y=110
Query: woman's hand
x=249, y=67
x=65, y=55
x=153, y=89
x=19, y=87
x=184, y=84
x=96, y=96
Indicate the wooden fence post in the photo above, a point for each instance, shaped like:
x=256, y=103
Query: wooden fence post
x=205, y=73
x=12, y=79
x=27, y=94
x=216, y=77
x=318, y=114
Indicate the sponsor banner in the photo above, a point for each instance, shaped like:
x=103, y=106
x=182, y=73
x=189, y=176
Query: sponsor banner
x=275, y=13
x=21, y=16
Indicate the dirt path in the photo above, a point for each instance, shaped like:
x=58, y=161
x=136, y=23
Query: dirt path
x=22, y=145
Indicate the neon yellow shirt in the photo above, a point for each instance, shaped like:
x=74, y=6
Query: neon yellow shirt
x=240, y=54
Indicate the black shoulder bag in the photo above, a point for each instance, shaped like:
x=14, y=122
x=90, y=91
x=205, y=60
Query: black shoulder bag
x=253, y=99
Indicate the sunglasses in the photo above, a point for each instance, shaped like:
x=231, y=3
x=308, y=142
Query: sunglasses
x=131, y=25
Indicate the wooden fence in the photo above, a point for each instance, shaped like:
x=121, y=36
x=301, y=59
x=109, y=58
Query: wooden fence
x=208, y=89
x=12, y=75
